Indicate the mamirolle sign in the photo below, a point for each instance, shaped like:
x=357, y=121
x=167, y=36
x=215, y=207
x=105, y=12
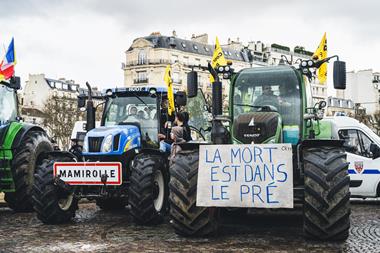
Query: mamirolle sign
x=245, y=176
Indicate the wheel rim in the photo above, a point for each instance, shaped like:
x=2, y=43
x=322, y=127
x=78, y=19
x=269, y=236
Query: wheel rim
x=158, y=190
x=65, y=203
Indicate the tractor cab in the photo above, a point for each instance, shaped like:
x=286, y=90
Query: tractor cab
x=126, y=122
x=132, y=118
x=8, y=102
x=265, y=102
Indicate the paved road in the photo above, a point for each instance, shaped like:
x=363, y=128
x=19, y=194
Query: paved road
x=94, y=230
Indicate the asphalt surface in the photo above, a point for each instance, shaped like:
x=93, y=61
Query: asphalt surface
x=94, y=230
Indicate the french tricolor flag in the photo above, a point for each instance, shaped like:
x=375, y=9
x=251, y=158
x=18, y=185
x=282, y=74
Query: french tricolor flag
x=7, y=64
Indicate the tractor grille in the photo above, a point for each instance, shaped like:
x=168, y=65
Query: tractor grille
x=255, y=127
x=116, y=141
x=94, y=144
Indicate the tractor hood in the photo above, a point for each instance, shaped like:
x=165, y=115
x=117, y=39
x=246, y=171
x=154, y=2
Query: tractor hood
x=111, y=140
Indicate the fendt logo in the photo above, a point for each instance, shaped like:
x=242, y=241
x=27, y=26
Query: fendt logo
x=252, y=122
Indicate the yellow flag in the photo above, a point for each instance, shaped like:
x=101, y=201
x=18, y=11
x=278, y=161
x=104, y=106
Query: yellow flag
x=217, y=58
x=169, y=82
x=320, y=54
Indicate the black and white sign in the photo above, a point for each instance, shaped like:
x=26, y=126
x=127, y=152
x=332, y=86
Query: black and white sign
x=89, y=173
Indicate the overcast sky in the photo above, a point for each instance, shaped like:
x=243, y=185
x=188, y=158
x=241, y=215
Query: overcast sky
x=85, y=40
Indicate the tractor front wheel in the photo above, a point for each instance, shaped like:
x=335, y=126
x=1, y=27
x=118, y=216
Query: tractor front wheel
x=148, y=190
x=23, y=168
x=186, y=217
x=327, y=195
x=52, y=204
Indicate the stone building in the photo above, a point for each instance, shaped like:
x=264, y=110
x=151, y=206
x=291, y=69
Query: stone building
x=363, y=89
x=339, y=106
x=148, y=56
x=43, y=97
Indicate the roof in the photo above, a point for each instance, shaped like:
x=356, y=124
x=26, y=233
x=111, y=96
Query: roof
x=190, y=46
x=71, y=87
x=344, y=121
x=137, y=89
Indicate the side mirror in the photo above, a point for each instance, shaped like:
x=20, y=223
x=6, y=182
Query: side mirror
x=340, y=75
x=81, y=101
x=180, y=98
x=192, y=84
x=375, y=150
x=15, y=82
x=322, y=104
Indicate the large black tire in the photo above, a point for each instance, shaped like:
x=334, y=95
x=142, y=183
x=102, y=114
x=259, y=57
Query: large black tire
x=187, y=218
x=111, y=204
x=327, y=196
x=149, y=189
x=53, y=206
x=23, y=167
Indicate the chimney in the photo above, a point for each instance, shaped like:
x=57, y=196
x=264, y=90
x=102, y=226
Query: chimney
x=202, y=38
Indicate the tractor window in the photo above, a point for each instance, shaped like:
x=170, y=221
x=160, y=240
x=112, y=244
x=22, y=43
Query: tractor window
x=142, y=110
x=276, y=87
x=199, y=117
x=8, y=105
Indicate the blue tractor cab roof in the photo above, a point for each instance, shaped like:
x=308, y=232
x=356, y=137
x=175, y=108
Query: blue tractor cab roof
x=137, y=89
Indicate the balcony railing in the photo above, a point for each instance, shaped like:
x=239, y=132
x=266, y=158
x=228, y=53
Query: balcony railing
x=148, y=62
x=146, y=80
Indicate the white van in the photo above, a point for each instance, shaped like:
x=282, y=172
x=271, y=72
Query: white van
x=363, y=153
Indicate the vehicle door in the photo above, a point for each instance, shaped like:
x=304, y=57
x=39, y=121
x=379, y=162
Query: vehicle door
x=363, y=169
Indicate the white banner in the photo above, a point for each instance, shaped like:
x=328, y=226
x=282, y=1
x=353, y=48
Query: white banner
x=88, y=173
x=245, y=176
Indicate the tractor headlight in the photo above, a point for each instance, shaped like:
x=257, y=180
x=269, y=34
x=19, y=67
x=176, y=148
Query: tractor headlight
x=107, y=144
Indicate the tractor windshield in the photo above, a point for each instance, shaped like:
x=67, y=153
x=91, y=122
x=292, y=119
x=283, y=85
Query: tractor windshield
x=8, y=105
x=274, y=88
x=133, y=109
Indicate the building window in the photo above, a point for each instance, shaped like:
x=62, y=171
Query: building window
x=195, y=47
x=175, y=77
x=183, y=44
x=207, y=49
x=142, y=57
x=186, y=60
x=174, y=58
x=142, y=77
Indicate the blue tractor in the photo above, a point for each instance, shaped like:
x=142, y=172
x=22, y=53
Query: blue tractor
x=127, y=139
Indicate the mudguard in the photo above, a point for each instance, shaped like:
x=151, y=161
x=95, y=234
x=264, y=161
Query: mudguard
x=23, y=131
x=322, y=142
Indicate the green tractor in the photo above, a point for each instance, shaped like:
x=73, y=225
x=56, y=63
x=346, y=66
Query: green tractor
x=20, y=146
x=268, y=106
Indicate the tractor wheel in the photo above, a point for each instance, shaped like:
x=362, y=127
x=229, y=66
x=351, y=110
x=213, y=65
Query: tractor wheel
x=187, y=218
x=53, y=205
x=23, y=167
x=327, y=196
x=148, y=190
x=111, y=204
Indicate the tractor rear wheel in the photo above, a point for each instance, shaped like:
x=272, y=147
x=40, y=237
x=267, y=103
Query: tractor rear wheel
x=53, y=205
x=149, y=189
x=327, y=195
x=111, y=203
x=187, y=218
x=23, y=167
